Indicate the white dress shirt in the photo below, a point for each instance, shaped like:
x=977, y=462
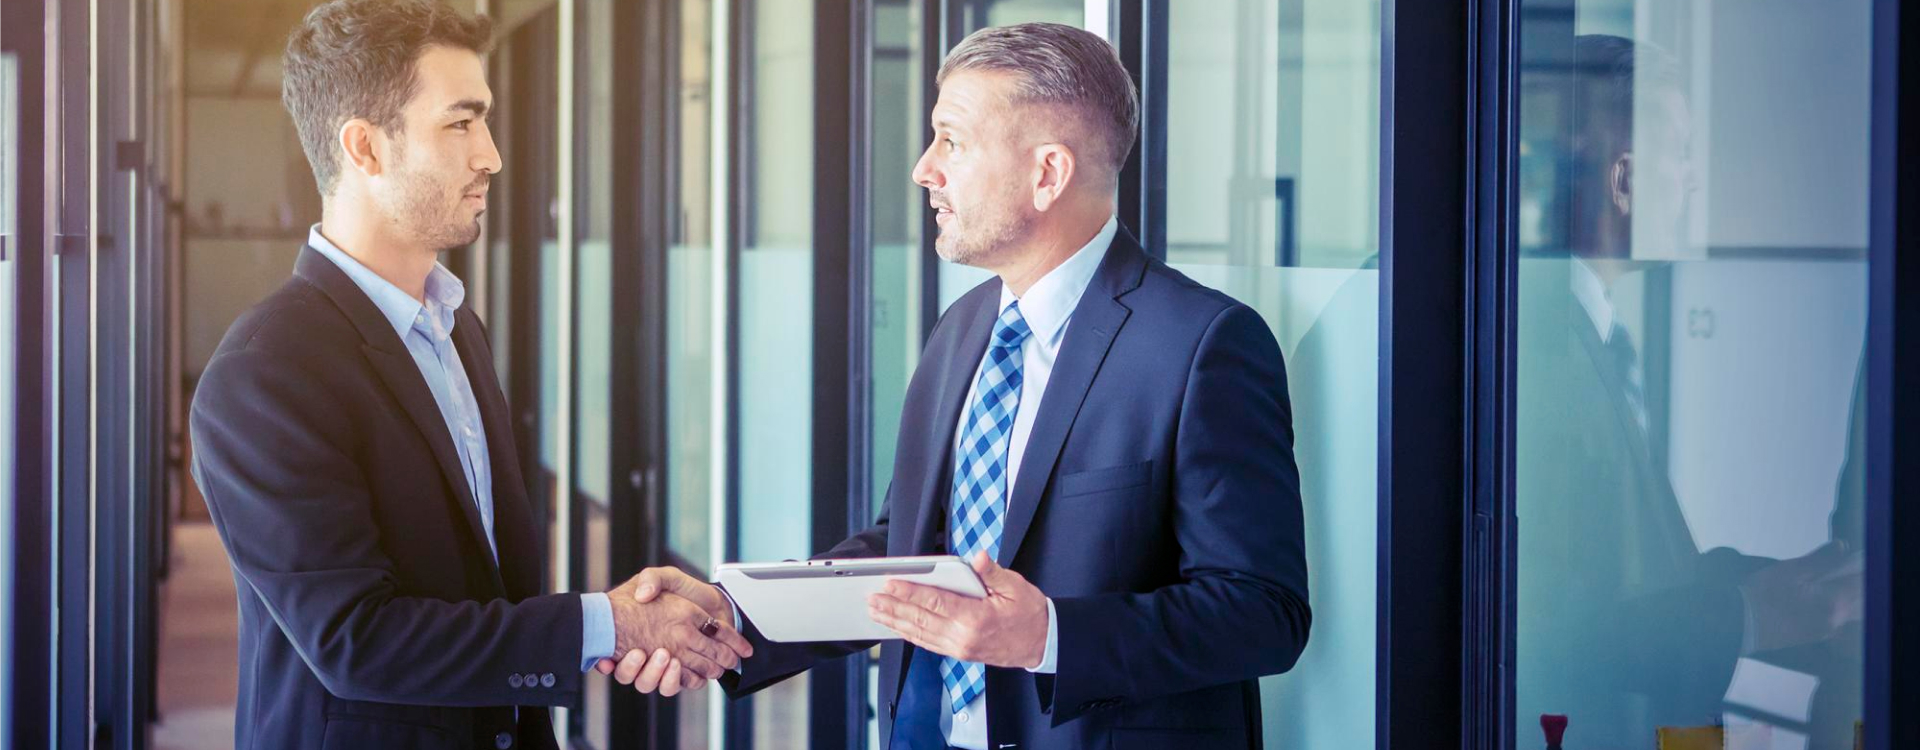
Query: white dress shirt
x=1047, y=307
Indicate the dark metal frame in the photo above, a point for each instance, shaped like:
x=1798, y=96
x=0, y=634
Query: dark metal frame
x=1491, y=262
x=23, y=34
x=843, y=303
x=1891, y=381
x=1425, y=464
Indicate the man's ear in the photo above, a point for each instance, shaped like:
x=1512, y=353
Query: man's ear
x=361, y=147
x=1621, y=183
x=1054, y=172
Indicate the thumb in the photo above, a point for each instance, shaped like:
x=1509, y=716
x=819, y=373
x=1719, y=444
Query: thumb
x=985, y=567
x=649, y=586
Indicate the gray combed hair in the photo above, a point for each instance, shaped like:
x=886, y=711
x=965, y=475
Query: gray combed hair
x=1062, y=66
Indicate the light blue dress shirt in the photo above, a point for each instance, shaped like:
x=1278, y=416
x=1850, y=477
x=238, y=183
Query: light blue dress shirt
x=427, y=328
x=1047, y=307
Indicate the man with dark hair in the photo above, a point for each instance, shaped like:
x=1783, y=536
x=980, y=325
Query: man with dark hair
x=356, y=452
x=1108, y=443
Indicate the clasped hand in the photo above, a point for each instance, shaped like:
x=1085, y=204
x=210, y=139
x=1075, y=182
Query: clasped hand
x=666, y=629
x=1007, y=628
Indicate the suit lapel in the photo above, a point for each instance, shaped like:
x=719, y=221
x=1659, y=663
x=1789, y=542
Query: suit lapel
x=956, y=378
x=513, y=520
x=1097, y=320
x=391, y=360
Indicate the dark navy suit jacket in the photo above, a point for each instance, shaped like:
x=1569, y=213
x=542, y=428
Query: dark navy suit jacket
x=1159, y=506
x=371, y=613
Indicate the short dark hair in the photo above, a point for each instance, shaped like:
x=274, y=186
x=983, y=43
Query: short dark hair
x=356, y=58
x=1060, y=65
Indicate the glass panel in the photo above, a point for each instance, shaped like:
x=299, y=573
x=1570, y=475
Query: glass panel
x=593, y=321
x=692, y=378
x=1691, y=318
x=898, y=207
x=776, y=319
x=974, y=15
x=593, y=256
x=1268, y=100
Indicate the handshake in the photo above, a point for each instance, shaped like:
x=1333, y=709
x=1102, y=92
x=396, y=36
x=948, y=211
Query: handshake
x=675, y=632
x=688, y=624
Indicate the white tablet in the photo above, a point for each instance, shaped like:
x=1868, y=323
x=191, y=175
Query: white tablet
x=826, y=600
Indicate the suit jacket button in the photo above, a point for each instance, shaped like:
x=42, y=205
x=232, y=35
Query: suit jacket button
x=531, y=680
x=503, y=740
x=515, y=681
x=547, y=680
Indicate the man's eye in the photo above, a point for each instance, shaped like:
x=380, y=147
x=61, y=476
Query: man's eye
x=951, y=145
x=462, y=125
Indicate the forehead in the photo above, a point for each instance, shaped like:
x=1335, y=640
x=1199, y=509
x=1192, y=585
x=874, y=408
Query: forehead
x=446, y=76
x=969, y=97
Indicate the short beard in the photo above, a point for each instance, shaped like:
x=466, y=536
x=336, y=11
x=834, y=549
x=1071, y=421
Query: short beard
x=982, y=246
x=419, y=214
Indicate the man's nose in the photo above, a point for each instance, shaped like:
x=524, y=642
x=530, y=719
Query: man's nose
x=925, y=175
x=488, y=160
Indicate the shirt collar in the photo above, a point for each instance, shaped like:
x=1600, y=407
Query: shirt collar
x=445, y=292
x=1593, y=296
x=1050, y=302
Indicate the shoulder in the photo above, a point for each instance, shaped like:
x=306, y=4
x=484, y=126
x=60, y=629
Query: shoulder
x=1181, y=307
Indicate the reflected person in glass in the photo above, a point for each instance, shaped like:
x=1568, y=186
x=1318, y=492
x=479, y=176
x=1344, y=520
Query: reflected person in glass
x=1624, y=623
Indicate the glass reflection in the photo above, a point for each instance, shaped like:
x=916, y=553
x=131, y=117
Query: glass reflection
x=1272, y=109
x=1692, y=301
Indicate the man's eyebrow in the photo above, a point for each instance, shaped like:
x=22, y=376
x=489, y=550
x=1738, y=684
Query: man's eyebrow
x=476, y=106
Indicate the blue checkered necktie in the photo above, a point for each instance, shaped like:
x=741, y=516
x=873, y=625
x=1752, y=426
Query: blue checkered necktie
x=1627, y=367
x=980, y=477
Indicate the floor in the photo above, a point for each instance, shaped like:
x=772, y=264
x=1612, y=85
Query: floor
x=198, y=629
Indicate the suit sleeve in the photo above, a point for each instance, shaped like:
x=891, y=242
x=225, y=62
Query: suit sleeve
x=773, y=662
x=274, y=457
x=1240, y=608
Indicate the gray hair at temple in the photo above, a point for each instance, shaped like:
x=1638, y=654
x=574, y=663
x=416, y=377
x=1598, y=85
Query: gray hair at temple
x=1066, y=67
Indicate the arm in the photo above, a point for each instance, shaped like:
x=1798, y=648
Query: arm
x=274, y=460
x=1237, y=520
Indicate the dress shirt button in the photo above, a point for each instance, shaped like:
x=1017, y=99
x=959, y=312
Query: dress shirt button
x=961, y=717
x=547, y=680
x=514, y=681
x=503, y=740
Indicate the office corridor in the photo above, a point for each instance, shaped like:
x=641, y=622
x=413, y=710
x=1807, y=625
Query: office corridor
x=198, y=625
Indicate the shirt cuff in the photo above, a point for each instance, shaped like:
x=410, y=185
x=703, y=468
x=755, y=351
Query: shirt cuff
x=596, y=629
x=1053, y=650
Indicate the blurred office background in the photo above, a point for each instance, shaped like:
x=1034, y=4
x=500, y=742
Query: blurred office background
x=707, y=277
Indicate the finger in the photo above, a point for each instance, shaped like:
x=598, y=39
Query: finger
x=900, y=617
x=629, y=667
x=936, y=600
x=701, y=665
x=670, y=683
x=650, y=676
x=604, y=666
x=693, y=682
x=736, y=643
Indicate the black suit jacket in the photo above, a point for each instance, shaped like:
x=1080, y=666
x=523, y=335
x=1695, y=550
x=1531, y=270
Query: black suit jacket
x=1626, y=624
x=371, y=613
x=1158, y=505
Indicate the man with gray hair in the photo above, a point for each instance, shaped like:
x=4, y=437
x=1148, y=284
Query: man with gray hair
x=1107, y=442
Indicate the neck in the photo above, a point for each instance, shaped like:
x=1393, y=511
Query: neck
x=372, y=243
x=1048, y=248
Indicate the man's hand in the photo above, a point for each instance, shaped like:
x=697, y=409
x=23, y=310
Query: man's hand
x=1806, y=599
x=1008, y=628
x=662, y=670
x=675, y=624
